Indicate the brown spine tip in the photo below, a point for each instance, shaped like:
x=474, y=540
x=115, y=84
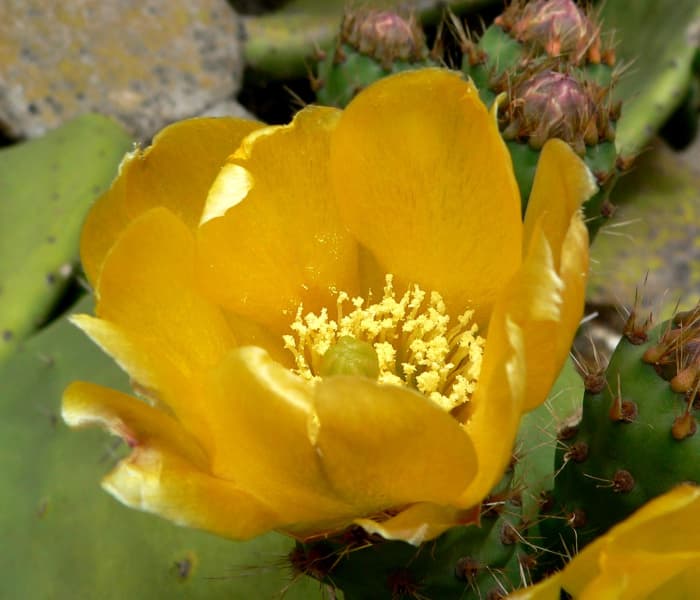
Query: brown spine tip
x=686, y=379
x=653, y=354
x=684, y=426
x=623, y=411
x=567, y=432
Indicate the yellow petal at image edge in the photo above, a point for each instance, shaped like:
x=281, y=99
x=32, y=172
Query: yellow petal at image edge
x=651, y=554
x=175, y=172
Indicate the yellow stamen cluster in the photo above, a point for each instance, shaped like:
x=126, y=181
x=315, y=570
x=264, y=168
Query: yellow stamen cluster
x=411, y=335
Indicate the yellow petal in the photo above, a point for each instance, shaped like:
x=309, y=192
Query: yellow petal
x=175, y=172
x=152, y=373
x=261, y=439
x=425, y=182
x=547, y=589
x=137, y=423
x=153, y=480
x=667, y=527
x=536, y=316
x=384, y=446
x=637, y=574
x=495, y=408
x=283, y=243
x=562, y=183
x=420, y=522
x=546, y=297
x=148, y=287
x=166, y=472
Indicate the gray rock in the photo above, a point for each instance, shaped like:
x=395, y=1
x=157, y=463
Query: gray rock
x=144, y=62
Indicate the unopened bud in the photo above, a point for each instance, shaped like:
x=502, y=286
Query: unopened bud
x=385, y=35
x=556, y=26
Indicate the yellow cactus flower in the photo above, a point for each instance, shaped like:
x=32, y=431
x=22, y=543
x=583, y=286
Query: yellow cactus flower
x=343, y=323
x=655, y=553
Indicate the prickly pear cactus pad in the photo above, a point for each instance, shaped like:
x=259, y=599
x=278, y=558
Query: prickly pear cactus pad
x=637, y=436
x=46, y=187
x=653, y=554
x=64, y=538
x=658, y=40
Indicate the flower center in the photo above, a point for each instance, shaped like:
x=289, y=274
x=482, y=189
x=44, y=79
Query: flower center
x=414, y=343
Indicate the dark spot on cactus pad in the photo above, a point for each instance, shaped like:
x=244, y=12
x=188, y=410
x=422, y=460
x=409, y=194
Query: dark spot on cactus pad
x=402, y=584
x=567, y=432
x=7, y=335
x=594, y=382
x=316, y=560
x=577, y=518
x=624, y=411
x=509, y=534
x=623, y=481
x=545, y=501
x=467, y=569
x=184, y=567
x=50, y=278
x=577, y=452
x=51, y=239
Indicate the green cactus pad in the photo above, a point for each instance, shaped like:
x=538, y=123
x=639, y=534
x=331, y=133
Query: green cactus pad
x=47, y=186
x=636, y=439
x=655, y=38
x=536, y=444
x=465, y=562
x=64, y=537
x=341, y=82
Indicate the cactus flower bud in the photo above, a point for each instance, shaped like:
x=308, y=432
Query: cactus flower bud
x=551, y=104
x=385, y=35
x=556, y=26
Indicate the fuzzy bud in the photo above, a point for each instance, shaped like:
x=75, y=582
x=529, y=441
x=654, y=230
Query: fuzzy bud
x=551, y=105
x=385, y=35
x=559, y=27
